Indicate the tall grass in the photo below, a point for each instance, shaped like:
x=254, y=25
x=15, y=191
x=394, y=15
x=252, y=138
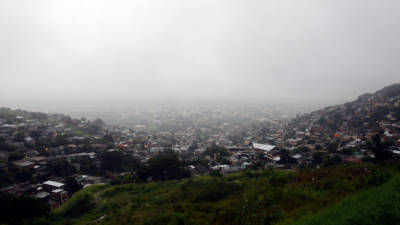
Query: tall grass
x=251, y=197
x=377, y=205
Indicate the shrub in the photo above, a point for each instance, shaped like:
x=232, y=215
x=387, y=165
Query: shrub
x=79, y=204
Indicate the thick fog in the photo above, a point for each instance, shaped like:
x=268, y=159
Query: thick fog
x=63, y=52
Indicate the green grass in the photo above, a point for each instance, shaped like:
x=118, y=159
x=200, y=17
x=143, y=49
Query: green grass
x=75, y=131
x=80, y=133
x=377, y=205
x=262, y=197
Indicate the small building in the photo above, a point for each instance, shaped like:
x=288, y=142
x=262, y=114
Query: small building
x=58, y=197
x=262, y=147
x=53, y=185
x=42, y=195
x=24, y=164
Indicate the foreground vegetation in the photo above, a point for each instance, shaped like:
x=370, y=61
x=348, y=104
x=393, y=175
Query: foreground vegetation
x=251, y=197
x=377, y=205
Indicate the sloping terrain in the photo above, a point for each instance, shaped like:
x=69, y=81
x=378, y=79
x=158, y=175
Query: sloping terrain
x=377, y=205
x=264, y=197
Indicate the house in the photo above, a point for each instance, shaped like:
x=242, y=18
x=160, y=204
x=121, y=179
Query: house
x=58, y=197
x=53, y=185
x=24, y=164
x=38, y=159
x=262, y=147
x=42, y=195
x=225, y=168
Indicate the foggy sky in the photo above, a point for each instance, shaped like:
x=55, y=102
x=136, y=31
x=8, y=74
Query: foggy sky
x=267, y=51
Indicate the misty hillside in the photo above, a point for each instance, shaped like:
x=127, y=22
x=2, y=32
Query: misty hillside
x=328, y=192
x=180, y=112
x=370, y=112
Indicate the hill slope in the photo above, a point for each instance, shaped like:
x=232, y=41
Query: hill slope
x=264, y=197
x=377, y=205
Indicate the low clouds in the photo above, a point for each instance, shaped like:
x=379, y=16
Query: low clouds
x=266, y=51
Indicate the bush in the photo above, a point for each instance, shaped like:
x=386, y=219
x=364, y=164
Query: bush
x=378, y=205
x=210, y=189
x=16, y=209
x=78, y=205
x=215, y=173
x=165, y=219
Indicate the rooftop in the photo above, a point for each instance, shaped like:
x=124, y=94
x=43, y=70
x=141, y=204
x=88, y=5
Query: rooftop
x=53, y=183
x=264, y=147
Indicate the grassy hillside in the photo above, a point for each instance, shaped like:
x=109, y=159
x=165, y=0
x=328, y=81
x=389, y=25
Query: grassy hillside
x=264, y=197
x=377, y=205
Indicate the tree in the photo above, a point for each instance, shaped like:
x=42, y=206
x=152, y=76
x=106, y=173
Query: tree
x=19, y=137
x=317, y=157
x=99, y=122
x=215, y=173
x=117, y=162
x=60, y=140
x=88, y=166
x=107, y=139
x=303, y=149
x=379, y=149
x=61, y=168
x=332, y=147
x=94, y=128
x=126, y=179
x=331, y=161
x=285, y=158
x=71, y=185
x=111, y=161
x=16, y=209
x=166, y=166
x=216, y=151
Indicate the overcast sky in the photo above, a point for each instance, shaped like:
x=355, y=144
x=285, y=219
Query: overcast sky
x=267, y=51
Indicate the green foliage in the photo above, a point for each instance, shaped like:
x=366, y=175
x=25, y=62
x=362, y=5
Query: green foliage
x=378, y=205
x=217, y=151
x=61, y=168
x=16, y=209
x=126, y=179
x=331, y=161
x=250, y=197
x=88, y=166
x=390, y=91
x=78, y=132
x=208, y=189
x=278, y=179
x=116, y=162
x=79, y=204
x=71, y=185
x=60, y=140
x=379, y=148
x=165, y=166
x=215, y=173
x=317, y=157
x=166, y=219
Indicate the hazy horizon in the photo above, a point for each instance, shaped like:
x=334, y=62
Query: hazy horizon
x=60, y=54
